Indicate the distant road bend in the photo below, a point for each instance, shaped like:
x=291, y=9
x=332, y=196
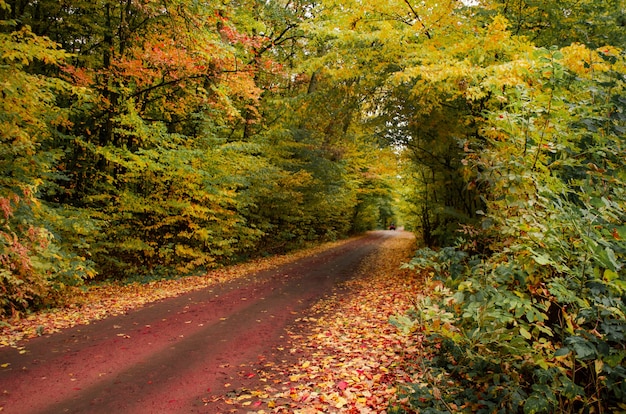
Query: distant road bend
x=169, y=355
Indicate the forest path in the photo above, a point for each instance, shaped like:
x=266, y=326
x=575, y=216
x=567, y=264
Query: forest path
x=170, y=355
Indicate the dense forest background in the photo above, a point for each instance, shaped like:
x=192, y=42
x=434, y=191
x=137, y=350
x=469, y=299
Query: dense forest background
x=160, y=137
x=149, y=137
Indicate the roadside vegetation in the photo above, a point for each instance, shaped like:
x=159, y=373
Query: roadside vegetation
x=143, y=139
x=109, y=298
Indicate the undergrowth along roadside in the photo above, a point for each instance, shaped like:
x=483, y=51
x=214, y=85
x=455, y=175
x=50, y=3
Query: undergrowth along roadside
x=113, y=298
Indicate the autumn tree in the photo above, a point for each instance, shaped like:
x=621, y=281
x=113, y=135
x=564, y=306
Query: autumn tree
x=511, y=122
x=561, y=23
x=183, y=135
x=41, y=248
x=502, y=146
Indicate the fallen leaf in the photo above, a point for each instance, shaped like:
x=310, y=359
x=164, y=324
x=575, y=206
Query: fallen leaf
x=351, y=356
x=341, y=402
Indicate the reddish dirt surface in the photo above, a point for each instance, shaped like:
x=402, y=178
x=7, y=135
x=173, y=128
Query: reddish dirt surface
x=171, y=355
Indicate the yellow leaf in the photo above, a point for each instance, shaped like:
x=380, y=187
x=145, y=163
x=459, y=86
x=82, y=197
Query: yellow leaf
x=598, y=365
x=244, y=397
x=341, y=402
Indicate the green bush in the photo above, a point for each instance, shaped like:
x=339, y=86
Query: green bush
x=537, y=323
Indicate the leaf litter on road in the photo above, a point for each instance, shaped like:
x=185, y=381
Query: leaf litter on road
x=113, y=298
x=348, y=357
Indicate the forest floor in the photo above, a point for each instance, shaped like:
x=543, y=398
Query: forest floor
x=303, y=333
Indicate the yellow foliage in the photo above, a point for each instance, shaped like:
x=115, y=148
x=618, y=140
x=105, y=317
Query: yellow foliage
x=494, y=134
x=583, y=61
x=510, y=73
x=497, y=32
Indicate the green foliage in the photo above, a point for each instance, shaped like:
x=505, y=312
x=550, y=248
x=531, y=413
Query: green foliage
x=142, y=138
x=36, y=263
x=536, y=323
x=447, y=262
x=436, y=190
x=560, y=23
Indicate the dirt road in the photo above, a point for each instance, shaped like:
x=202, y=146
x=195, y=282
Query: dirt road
x=167, y=357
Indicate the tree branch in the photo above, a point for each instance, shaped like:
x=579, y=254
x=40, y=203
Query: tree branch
x=277, y=40
x=417, y=16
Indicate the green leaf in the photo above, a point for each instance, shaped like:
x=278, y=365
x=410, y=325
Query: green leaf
x=562, y=352
x=542, y=259
x=583, y=348
x=405, y=324
x=536, y=404
x=524, y=332
x=570, y=389
x=610, y=275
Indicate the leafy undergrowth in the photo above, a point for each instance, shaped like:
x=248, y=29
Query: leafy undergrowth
x=349, y=358
x=109, y=299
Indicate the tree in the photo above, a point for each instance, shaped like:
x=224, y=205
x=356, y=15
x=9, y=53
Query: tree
x=548, y=23
x=37, y=258
x=500, y=136
x=527, y=287
x=179, y=150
